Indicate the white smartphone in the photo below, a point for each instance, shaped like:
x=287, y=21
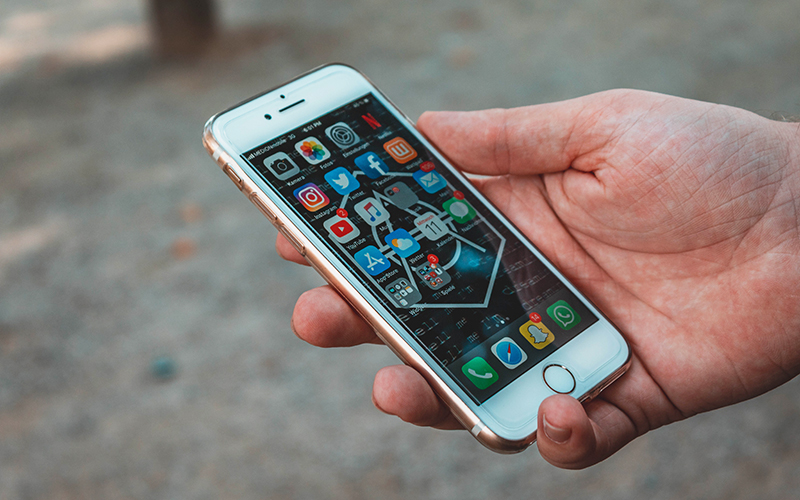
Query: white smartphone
x=450, y=285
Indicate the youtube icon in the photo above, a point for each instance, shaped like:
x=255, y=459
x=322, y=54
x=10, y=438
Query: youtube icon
x=341, y=229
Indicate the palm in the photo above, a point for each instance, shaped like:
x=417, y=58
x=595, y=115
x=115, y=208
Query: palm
x=679, y=219
x=672, y=237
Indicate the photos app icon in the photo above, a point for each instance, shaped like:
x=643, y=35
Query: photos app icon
x=312, y=150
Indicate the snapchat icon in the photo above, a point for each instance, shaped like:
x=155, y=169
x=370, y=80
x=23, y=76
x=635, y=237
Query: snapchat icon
x=536, y=333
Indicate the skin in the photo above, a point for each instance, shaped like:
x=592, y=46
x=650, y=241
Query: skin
x=678, y=218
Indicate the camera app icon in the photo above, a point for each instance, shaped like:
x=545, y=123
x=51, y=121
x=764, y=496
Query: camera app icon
x=281, y=166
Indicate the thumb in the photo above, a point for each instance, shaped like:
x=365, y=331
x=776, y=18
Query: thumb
x=531, y=140
x=572, y=437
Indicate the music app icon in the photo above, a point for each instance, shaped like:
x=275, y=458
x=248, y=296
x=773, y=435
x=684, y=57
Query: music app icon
x=371, y=210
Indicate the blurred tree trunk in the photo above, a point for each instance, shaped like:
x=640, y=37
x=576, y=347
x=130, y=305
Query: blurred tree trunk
x=183, y=28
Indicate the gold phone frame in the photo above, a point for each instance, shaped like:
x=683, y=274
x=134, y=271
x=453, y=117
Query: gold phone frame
x=382, y=328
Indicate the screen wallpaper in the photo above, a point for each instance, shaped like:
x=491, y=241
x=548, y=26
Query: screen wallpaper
x=470, y=292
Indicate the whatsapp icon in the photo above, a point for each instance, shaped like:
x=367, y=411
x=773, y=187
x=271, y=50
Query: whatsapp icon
x=563, y=315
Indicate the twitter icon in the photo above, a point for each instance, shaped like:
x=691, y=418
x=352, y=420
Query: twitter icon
x=342, y=181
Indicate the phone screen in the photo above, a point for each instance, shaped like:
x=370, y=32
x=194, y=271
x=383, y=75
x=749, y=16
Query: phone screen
x=466, y=288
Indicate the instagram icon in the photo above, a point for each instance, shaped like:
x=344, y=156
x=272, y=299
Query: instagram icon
x=311, y=197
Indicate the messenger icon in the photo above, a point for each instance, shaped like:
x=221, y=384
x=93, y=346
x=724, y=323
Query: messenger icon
x=431, y=181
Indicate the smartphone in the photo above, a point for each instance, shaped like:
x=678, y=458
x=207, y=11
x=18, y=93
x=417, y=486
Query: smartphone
x=446, y=281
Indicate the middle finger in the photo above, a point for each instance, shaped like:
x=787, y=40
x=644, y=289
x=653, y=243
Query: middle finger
x=323, y=318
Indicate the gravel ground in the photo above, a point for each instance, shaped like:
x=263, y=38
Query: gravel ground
x=145, y=349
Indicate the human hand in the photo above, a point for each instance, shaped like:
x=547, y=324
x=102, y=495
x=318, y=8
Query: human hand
x=679, y=219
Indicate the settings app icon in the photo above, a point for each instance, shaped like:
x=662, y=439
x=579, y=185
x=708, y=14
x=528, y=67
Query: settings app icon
x=342, y=135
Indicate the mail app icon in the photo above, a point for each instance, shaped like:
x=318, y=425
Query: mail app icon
x=430, y=181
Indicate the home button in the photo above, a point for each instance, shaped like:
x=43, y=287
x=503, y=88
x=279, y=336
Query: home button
x=559, y=379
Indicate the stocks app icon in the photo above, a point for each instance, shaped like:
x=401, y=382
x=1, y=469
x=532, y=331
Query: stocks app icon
x=342, y=135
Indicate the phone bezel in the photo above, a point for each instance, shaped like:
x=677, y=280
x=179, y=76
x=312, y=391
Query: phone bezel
x=243, y=127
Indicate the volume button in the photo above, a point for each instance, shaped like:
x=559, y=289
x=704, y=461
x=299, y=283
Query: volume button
x=232, y=175
x=262, y=207
x=293, y=240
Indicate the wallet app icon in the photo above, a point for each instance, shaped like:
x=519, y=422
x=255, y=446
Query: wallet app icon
x=401, y=195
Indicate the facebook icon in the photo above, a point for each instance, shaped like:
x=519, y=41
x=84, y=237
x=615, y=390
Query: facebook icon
x=372, y=166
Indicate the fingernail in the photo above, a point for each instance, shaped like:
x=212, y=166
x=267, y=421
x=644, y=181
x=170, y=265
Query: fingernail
x=555, y=434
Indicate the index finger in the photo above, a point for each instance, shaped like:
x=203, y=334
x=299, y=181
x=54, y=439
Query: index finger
x=539, y=139
x=287, y=251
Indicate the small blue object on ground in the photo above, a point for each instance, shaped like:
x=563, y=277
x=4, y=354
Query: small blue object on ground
x=163, y=368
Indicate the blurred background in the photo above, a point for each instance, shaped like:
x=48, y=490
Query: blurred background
x=145, y=348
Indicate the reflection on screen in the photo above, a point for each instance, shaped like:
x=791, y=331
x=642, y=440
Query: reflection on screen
x=472, y=294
